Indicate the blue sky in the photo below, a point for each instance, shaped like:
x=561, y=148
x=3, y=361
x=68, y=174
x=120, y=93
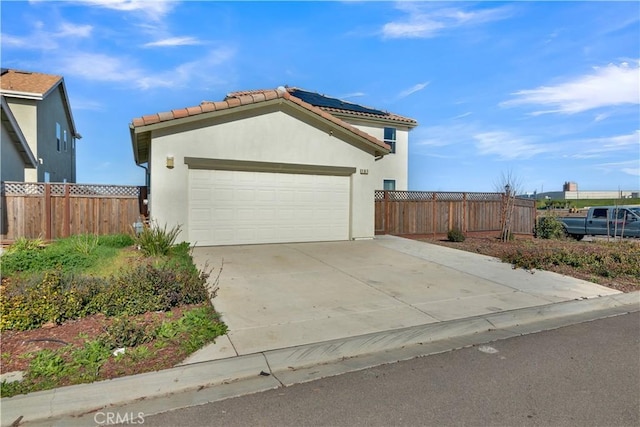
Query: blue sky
x=545, y=91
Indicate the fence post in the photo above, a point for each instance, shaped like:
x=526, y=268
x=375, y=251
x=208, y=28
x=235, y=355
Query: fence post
x=465, y=226
x=433, y=214
x=66, y=224
x=386, y=209
x=47, y=211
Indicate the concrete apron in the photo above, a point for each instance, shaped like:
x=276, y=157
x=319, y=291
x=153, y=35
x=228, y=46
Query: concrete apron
x=285, y=295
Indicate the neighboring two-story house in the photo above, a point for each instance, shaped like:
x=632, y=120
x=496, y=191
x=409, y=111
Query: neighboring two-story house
x=38, y=131
x=271, y=166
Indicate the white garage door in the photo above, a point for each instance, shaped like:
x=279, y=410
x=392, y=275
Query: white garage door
x=232, y=207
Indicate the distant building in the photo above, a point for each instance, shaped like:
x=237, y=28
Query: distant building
x=38, y=132
x=570, y=192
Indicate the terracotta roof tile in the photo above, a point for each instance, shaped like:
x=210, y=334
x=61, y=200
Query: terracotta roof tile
x=166, y=116
x=23, y=81
x=269, y=95
x=150, y=119
x=237, y=99
x=178, y=114
x=259, y=97
x=194, y=110
x=233, y=102
x=389, y=116
x=208, y=107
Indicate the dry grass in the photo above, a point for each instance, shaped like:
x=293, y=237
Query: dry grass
x=615, y=264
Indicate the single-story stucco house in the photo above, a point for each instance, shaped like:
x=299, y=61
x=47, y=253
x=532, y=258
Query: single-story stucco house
x=271, y=166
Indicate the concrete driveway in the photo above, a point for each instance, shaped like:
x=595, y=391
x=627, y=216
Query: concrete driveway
x=284, y=295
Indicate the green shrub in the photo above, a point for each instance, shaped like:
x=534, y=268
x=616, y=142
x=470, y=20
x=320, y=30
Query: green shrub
x=616, y=259
x=62, y=255
x=151, y=288
x=23, y=244
x=549, y=227
x=84, y=243
x=125, y=332
x=203, y=325
x=156, y=241
x=116, y=240
x=455, y=235
x=48, y=297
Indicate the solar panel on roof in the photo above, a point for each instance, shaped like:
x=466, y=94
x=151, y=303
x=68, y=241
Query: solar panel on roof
x=318, y=100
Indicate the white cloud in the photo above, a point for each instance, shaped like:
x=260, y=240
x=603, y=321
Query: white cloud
x=630, y=167
x=99, y=67
x=508, y=146
x=71, y=30
x=604, y=87
x=152, y=9
x=442, y=135
x=352, y=95
x=107, y=68
x=201, y=71
x=596, y=147
x=174, y=41
x=41, y=39
x=424, y=21
x=415, y=88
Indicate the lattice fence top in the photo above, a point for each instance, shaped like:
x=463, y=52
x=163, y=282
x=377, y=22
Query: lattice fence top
x=58, y=189
x=417, y=196
x=484, y=196
x=22, y=188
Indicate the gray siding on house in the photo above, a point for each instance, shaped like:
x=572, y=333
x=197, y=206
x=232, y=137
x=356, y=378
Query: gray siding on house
x=37, y=120
x=59, y=164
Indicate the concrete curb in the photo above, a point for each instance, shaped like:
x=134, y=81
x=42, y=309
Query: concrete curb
x=298, y=364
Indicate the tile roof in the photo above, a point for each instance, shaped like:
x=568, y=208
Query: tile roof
x=29, y=82
x=247, y=98
x=359, y=111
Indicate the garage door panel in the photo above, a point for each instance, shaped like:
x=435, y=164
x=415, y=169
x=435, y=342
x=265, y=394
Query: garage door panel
x=232, y=207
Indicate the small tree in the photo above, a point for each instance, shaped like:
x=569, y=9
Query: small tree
x=510, y=185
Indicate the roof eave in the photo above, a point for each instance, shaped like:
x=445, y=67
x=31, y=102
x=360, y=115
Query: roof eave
x=376, y=149
x=409, y=124
x=23, y=95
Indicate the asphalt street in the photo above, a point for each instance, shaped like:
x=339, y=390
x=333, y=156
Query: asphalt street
x=584, y=374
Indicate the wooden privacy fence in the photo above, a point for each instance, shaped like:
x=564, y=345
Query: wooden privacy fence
x=50, y=211
x=428, y=212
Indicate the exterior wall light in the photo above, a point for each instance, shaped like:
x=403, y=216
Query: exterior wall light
x=170, y=162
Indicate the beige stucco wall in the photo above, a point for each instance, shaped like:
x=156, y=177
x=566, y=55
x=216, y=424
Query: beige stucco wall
x=393, y=165
x=271, y=137
x=11, y=163
x=25, y=113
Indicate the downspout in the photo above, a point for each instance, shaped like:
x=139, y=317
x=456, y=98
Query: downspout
x=146, y=175
x=147, y=180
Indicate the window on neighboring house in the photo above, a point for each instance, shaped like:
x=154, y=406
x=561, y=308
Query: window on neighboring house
x=390, y=138
x=389, y=184
x=64, y=141
x=58, y=134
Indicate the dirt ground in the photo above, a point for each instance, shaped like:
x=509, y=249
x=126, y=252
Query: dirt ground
x=17, y=345
x=491, y=245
